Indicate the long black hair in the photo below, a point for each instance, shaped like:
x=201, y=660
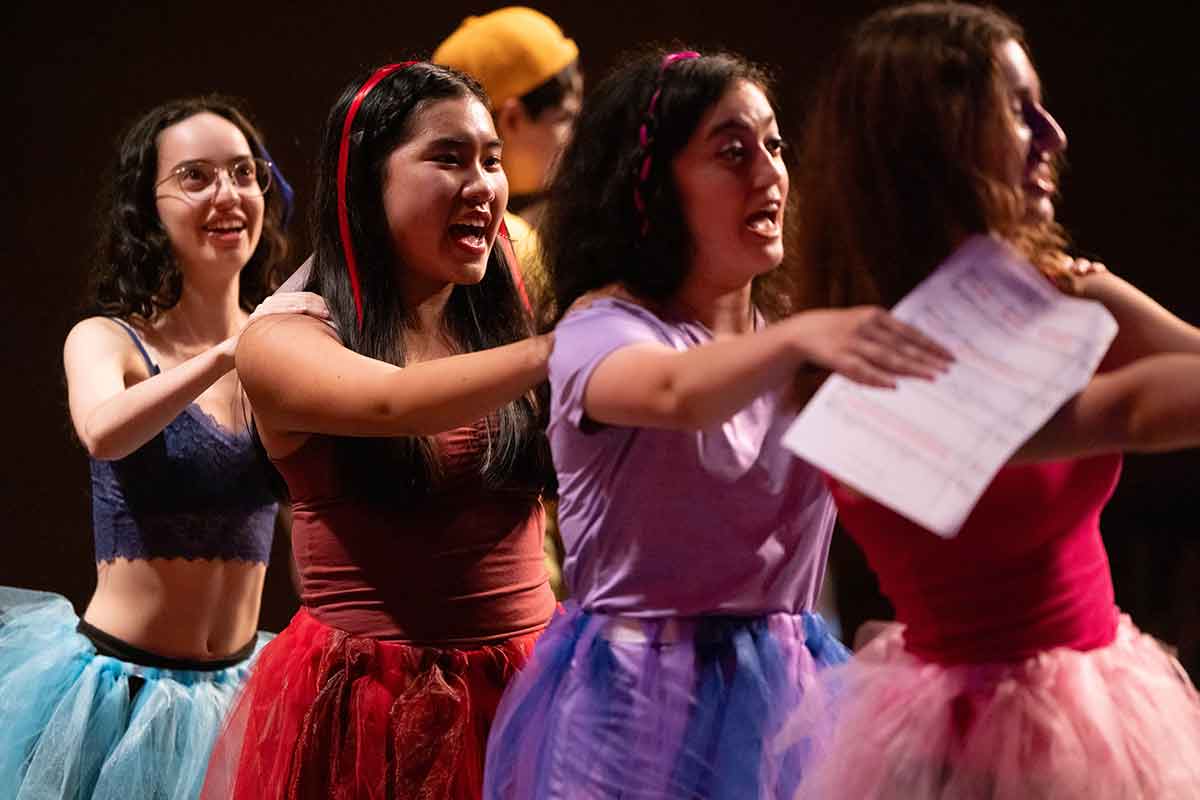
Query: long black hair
x=476, y=317
x=135, y=271
x=592, y=233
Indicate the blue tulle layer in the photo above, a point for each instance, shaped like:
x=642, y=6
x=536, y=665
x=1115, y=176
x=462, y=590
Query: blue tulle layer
x=70, y=729
x=680, y=708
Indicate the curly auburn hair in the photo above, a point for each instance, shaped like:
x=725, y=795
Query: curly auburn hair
x=895, y=165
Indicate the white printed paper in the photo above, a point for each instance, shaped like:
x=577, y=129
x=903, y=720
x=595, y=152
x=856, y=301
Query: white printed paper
x=298, y=279
x=928, y=449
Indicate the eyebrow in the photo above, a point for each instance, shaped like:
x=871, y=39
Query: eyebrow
x=456, y=142
x=189, y=161
x=735, y=124
x=1032, y=92
x=1032, y=87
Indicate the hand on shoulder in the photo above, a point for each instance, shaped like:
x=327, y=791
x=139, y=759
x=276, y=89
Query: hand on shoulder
x=307, y=303
x=1075, y=276
x=614, y=291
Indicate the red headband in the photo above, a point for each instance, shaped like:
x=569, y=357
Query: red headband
x=343, y=164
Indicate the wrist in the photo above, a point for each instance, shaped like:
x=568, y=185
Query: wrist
x=543, y=347
x=798, y=339
x=223, y=354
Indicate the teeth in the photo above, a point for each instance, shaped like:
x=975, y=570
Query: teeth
x=762, y=222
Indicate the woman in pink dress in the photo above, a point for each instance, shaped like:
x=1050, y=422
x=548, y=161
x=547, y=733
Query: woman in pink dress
x=1013, y=673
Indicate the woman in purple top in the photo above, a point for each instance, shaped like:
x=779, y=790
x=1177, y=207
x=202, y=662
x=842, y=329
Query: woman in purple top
x=695, y=544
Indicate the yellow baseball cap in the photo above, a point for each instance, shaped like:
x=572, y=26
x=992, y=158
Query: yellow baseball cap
x=510, y=51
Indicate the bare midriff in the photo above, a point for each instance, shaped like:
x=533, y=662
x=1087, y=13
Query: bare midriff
x=196, y=610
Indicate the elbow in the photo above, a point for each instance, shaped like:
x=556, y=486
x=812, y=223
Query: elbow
x=104, y=441
x=1141, y=426
x=398, y=417
x=1143, y=430
x=691, y=411
x=102, y=447
x=691, y=408
x=689, y=414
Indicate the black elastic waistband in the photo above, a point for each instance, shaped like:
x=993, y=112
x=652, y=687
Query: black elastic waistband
x=108, y=645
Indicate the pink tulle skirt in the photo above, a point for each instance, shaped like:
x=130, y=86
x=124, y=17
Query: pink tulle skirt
x=1121, y=721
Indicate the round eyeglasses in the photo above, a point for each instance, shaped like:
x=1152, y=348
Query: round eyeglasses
x=196, y=179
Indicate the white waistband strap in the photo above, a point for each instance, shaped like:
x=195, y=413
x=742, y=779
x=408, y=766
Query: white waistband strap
x=671, y=630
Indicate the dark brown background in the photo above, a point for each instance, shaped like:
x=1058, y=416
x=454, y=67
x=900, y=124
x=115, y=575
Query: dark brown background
x=1122, y=85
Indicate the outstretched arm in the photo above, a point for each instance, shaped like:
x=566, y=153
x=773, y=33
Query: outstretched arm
x=1150, y=405
x=301, y=380
x=651, y=385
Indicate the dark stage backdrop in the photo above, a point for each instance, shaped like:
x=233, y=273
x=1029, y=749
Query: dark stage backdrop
x=1121, y=78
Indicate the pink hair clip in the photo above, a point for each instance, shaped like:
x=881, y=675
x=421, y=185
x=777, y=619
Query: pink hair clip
x=645, y=137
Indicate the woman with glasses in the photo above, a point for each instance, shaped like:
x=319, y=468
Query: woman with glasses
x=126, y=702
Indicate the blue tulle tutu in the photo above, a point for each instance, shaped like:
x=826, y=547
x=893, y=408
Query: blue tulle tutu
x=69, y=727
x=678, y=708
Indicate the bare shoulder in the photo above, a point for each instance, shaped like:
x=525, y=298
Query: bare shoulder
x=98, y=339
x=97, y=330
x=282, y=341
x=286, y=331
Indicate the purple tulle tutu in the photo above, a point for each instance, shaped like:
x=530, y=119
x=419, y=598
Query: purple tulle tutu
x=614, y=707
x=1122, y=721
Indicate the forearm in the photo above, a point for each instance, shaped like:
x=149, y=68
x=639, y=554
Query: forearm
x=435, y=396
x=123, y=423
x=375, y=399
x=653, y=386
x=710, y=384
x=1151, y=405
x=641, y=386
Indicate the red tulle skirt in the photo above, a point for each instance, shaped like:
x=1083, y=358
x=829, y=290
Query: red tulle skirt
x=330, y=715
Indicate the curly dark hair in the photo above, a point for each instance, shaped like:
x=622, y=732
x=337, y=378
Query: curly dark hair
x=477, y=317
x=895, y=164
x=592, y=233
x=135, y=271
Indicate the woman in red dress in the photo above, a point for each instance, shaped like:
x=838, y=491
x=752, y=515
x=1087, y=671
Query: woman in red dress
x=410, y=446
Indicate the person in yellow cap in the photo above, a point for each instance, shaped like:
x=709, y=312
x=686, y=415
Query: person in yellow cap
x=530, y=71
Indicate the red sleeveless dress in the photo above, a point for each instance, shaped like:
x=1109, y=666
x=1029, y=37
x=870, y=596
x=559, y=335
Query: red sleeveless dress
x=413, y=620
